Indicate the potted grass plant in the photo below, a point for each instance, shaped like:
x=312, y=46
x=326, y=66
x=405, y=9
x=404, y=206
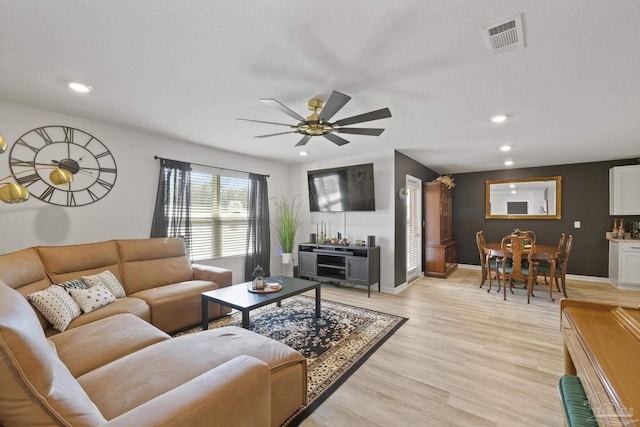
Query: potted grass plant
x=286, y=224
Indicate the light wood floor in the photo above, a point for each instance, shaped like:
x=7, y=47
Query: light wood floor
x=464, y=358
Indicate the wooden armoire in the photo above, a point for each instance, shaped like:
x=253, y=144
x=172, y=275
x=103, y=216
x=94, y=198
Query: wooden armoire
x=440, y=249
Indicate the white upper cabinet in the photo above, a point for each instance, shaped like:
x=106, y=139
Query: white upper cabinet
x=624, y=190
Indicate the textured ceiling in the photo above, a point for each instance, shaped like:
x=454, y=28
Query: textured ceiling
x=189, y=69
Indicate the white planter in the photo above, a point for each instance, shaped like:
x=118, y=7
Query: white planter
x=287, y=258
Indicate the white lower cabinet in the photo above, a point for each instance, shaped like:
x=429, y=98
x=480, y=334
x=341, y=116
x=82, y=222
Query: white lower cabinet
x=624, y=263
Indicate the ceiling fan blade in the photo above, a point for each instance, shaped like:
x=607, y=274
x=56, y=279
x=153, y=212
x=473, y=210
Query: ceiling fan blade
x=280, y=106
x=303, y=141
x=361, y=131
x=366, y=117
x=274, y=134
x=335, y=102
x=336, y=139
x=269, y=123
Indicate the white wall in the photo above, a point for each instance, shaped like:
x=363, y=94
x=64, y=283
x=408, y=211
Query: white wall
x=358, y=225
x=127, y=211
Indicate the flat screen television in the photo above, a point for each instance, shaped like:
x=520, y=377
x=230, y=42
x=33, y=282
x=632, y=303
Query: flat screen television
x=342, y=189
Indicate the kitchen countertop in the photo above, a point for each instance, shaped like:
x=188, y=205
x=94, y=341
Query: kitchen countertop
x=627, y=237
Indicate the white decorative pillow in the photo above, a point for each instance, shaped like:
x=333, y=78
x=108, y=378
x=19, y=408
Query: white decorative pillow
x=92, y=298
x=107, y=279
x=56, y=305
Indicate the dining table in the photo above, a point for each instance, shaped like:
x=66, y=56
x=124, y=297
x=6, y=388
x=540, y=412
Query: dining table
x=546, y=253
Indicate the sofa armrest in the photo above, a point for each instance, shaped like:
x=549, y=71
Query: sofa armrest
x=221, y=276
x=236, y=393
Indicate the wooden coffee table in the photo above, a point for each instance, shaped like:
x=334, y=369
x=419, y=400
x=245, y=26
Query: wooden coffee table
x=238, y=297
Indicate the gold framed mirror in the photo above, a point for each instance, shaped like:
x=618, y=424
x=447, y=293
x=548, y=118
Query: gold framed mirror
x=523, y=198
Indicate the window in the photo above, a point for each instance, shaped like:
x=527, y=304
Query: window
x=219, y=213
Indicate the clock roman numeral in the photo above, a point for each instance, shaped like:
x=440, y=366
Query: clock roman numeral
x=106, y=153
x=22, y=142
x=105, y=184
x=108, y=170
x=68, y=134
x=47, y=194
x=23, y=163
x=71, y=199
x=44, y=135
x=93, y=195
x=27, y=180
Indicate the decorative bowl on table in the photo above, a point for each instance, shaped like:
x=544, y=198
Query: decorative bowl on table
x=265, y=286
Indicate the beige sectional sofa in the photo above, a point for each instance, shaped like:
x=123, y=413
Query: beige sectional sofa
x=112, y=367
x=161, y=284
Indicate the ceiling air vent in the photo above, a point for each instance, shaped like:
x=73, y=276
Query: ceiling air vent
x=505, y=35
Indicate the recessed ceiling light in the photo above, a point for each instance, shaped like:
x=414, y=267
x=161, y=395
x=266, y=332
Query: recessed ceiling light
x=78, y=86
x=512, y=186
x=498, y=118
x=508, y=162
x=505, y=148
x=303, y=153
x=513, y=191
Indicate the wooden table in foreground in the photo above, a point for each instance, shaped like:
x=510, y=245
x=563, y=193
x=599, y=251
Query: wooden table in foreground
x=602, y=347
x=542, y=253
x=238, y=297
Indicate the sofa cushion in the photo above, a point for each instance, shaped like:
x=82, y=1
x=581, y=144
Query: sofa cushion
x=37, y=388
x=88, y=347
x=178, y=305
x=24, y=272
x=149, y=263
x=107, y=279
x=56, y=305
x=73, y=261
x=93, y=298
x=135, y=306
x=166, y=368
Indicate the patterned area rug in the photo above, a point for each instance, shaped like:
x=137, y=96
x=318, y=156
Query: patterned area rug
x=335, y=345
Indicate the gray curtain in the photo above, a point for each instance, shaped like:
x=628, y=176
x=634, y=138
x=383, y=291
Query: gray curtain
x=258, y=235
x=172, y=214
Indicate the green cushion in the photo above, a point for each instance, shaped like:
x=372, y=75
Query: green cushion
x=575, y=402
x=509, y=268
x=543, y=268
x=492, y=264
x=546, y=268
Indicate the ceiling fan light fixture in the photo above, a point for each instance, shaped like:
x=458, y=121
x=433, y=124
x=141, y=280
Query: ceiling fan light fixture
x=318, y=124
x=303, y=153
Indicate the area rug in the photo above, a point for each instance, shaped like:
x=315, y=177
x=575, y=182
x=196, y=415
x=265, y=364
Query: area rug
x=334, y=345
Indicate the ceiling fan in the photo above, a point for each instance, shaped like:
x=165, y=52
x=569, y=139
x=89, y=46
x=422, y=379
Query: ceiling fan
x=318, y=124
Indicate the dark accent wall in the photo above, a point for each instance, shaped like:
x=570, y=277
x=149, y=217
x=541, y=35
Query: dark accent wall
x=585, y=198
x=404, y=166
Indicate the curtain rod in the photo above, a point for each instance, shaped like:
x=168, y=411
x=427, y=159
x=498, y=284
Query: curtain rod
x=209, y=166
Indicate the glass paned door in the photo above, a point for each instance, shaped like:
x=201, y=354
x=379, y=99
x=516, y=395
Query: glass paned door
x=413, y=215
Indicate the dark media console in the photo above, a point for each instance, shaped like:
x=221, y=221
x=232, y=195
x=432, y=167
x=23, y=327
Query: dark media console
x=357, y=265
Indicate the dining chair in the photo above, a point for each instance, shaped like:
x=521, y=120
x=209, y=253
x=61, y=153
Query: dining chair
x=488, y=264
x=561, y=265
x=514, y=245
x=545, y=267
x=529, y=235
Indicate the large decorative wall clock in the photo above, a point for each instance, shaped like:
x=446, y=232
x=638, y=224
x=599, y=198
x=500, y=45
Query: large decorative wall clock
x=40, y=150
